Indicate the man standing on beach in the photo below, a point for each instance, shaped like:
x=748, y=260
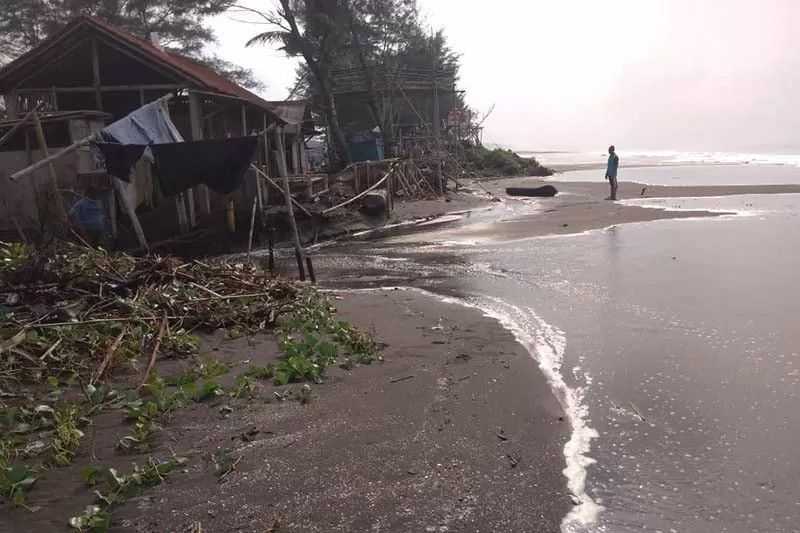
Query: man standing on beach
x=611, y=171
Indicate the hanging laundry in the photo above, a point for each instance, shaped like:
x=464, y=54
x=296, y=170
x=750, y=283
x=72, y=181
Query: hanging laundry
x=119, y=159
x=150, y=124
x=219, y=163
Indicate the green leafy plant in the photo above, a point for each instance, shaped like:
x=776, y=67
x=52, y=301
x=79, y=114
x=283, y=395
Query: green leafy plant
x=67, y=436
x=297, y=368
x=261, y=372
x=244, y=387
x=181, y=343
x=207, y=390
x=93, y=519
x=13, y=255
x=15, y=479
x=113, y=488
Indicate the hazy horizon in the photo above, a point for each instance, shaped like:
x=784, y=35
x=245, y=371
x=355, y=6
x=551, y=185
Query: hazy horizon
x=574, y=75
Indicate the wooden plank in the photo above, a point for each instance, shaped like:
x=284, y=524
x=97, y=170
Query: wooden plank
x=196, y=124
x=10, y=99
x=105, y=88
x=96, y=75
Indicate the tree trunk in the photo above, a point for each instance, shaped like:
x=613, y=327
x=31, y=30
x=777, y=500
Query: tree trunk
x=385, y=124
x=339, y=140
x=320, y=72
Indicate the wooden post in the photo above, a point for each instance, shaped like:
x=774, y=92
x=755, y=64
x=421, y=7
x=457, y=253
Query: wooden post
x=98, y=95
x=196, y=124
x=265, y=190
x=280, y=146
x=183, y=219
x=189, y=197
x=298, y=248
x=11, y=104
x=266, y=145
x=244, y=120
x=252, y=225
x=298, y=169
x=61, y=213
x=436, y=118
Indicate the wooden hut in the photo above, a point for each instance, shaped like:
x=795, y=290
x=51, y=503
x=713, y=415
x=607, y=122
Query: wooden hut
x=91, y=73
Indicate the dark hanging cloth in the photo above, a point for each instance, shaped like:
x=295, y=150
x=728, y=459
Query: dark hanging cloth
x=219, y=163
x=120, y=158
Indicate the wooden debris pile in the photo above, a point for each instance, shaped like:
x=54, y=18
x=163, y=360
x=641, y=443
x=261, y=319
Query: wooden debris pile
x=70, y=312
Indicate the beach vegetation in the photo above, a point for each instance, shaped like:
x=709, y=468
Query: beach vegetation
x=500, y=162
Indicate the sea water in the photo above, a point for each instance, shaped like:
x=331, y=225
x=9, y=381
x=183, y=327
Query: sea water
x=673, y=345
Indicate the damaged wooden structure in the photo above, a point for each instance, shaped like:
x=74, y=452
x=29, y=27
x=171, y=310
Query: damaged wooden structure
x=414, y=103
x=90, y=74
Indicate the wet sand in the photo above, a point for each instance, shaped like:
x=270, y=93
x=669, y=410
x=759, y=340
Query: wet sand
x=581, y=206
x=407, y=445
x=456, y=431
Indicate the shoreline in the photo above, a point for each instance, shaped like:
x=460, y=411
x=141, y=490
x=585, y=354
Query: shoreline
x=579, y=207
x=456, y=429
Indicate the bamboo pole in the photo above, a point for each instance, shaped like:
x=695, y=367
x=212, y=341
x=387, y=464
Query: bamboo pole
x=7, y=135
x=298, y=247
x=252, y=225
x=61, y=213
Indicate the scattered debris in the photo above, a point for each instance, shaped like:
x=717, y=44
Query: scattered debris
x=513, y=460
x=398, y=380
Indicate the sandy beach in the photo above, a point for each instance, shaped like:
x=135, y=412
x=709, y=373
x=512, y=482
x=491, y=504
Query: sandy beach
x=456, y=430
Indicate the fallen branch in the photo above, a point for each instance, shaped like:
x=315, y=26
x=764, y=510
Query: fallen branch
x=156, y=346
x=107, y=359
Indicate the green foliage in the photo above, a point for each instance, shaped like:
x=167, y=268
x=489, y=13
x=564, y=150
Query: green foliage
x=297, y=368
x=113, y=488
x=244, y=387
x=312, y=339
x=12, y=256
x=207, y=390
x=261, y=372
x=67, y=436
x=180, y=343
x=93, y=519
x=15, y=479
x=499, y=162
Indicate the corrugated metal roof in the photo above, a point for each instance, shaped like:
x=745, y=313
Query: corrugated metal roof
x=201, y=76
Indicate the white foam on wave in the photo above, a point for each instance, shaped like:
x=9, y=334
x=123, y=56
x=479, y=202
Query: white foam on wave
x=546, y=344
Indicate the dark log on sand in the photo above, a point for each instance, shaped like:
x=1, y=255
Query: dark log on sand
x=543, y=191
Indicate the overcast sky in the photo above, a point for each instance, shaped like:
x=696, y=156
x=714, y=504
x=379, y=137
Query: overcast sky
x=646, y=74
